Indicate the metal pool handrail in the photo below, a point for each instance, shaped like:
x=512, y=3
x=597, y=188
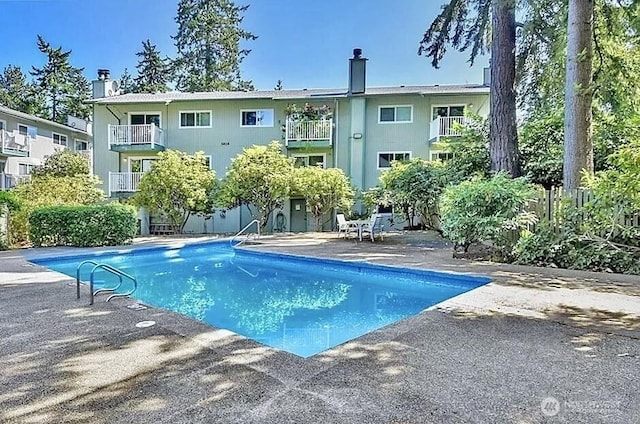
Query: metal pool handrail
x=107, y=268
x=255, y=221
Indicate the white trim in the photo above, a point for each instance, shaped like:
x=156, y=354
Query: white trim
x=195, y=112
x=75, y=144
x=210, y=160
x=66, y=139
x=4, y=124
x=273, y=115
x=18, y=125
x=144, y=113
x=380, y=107
x=449, y=105
x=324, y=158
x=403, y=152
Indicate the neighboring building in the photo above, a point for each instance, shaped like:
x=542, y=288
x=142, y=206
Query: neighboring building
x=25, y=140
x=359, y=129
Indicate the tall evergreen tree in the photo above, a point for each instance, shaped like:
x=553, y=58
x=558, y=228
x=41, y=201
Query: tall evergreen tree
x=465, y=24
x=153, y=71
x=17, y=93
x=75, y=103
x=208, y=46
x=56, y=80
x=126, y=82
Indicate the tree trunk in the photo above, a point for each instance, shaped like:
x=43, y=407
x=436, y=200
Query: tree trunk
x=578, y=145
x=503, y=133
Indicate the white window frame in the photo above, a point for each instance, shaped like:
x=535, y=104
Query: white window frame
x=195, y=113
x=391, y=153
x=257, y=110
x=141, y=158
x=22, y=125
x=79, y=140
x=437, y=152
x=60, y=136
x=324, y=158
x=449, y=105
x=4, y=124
x=29, y=167
x=210, y=157
x=146, y=113
x=380, y=107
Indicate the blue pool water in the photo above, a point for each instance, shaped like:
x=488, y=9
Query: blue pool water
x=297, y=304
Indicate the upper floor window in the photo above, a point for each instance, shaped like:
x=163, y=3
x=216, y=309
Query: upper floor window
x=31, y=132
x=23, y=129
x=385, y=158
x=195, y=119
x=145, y=118
x=60, y=139
x=447, y=111
x=82, y=145
x=3, y=124
x=257, y=118
x=390, y=114
x=141, y=164
x=301, y=161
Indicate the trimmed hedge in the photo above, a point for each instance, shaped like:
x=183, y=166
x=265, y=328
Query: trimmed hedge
x=83, y=226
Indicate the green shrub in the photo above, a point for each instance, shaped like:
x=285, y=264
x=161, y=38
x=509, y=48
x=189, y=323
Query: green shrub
x=83, y=226
x=486, y=210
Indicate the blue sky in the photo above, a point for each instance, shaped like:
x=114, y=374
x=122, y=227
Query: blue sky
x=305, y=43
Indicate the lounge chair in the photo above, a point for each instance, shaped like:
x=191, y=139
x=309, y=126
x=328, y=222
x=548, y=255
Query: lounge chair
x=374, y=227
x=345, y=226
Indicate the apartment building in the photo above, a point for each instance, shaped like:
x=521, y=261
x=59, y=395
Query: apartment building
x=26, y=140
x=359, y=129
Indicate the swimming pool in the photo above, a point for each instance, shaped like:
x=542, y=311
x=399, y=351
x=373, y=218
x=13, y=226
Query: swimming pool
x=297, y=304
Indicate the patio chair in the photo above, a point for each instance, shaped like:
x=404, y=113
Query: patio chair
x=345, y=226
x=374, y=227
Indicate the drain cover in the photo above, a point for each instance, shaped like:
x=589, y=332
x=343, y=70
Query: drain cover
x=145, y=324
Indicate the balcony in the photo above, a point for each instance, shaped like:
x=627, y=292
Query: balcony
x=299, y=134
x=8, y=181
x=13, y=144
x=135, y=138
x=446, y=126
x=124, y=182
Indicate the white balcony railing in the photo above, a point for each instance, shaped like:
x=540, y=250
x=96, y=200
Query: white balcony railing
x=8, y=181
x=309, y=130
x=124, y=182
x=135, y=135
x=14, y=143
x=446, y=126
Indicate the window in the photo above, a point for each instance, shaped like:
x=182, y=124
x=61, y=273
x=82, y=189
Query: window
x=195, y=119
x=440, y=155
x=446, y=111
x=3, y=125
x=257, y=118
x=81, y=145
x=385, y=158
x=23, y=129
x=59, y=139
x=309, y=160
x=390, y=114
x=25, y=168
x=140, y=164
x=207, y=161
x=145, y=118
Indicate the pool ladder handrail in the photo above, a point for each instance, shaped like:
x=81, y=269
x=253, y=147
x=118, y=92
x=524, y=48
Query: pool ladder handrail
x=255, y=221
x=96, y=266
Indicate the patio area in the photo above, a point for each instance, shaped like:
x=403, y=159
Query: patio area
x=535, y=345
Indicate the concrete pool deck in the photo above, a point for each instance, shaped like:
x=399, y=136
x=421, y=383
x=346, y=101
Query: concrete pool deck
x=564, y=339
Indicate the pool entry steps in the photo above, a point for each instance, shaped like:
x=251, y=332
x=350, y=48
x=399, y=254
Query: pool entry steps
x=106, y=267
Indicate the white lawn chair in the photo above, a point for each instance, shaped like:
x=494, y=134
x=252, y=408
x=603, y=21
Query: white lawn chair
x=345, y=226
x=374, y=227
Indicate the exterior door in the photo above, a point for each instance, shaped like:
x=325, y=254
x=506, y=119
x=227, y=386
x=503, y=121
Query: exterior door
x=298, y=215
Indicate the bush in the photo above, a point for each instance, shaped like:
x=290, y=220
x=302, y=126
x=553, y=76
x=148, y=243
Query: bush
x=83, y=226
x=486, y=210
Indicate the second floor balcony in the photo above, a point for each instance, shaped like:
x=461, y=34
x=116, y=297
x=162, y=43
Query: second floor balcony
x=124, y=182
x=446, y=126
x=14, y=144
x=135, y=138
x=8, y=181
x=311, y=133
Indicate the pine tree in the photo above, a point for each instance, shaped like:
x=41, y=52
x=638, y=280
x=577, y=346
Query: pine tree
x=466, y=24
x=17, y=93
x=208, y=46
x=75, y=103
x=56, y=80
x=278, y=86
x=126, y=82
x=153, y=71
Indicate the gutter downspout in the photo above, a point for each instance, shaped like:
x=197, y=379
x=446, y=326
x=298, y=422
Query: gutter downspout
x=114, y=115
